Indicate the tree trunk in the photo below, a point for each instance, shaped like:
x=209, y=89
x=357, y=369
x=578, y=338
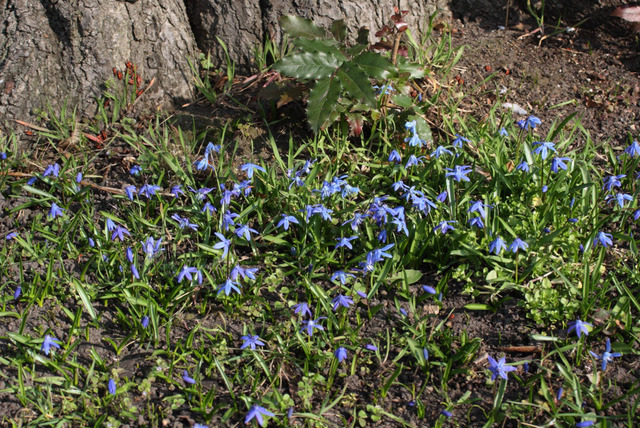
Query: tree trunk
x=65, y=50
x=242, y=24
x=56, y=51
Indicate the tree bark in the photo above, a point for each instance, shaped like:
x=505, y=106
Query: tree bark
x=57, y=51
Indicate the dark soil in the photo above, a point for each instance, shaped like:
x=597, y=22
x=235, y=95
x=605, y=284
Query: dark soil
x=592, y=70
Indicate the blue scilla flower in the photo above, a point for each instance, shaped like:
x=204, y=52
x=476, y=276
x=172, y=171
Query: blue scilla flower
x=607, y=356
x=257, y=412
x=497, y=246
x=602, y=238
x=580, y=327
x=543, y=148
x=415, y=140
x=611, y=181
x=439, y=151
x=394, y=156
x=620, y=198
x=459, y=140
x=499, y=368
x=633, y=150
x=518, y=244
x=529, y=123
x=523, y=166
x=459, y=173
x=251, y=341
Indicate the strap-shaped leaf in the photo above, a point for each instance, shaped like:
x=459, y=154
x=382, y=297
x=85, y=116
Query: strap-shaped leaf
x=322, y=102
x=357, y=84
x=374, y=65
x=316, y=65
x=296, y=26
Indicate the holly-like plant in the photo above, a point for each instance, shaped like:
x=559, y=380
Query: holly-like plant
x=341, y=77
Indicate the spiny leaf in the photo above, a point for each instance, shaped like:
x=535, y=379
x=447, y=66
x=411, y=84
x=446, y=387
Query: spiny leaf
x=357, y=84
x=339, y=30
x=374, y=65
x=296, y=26
x=308, y=65
x=322, y=102
x=319, y=45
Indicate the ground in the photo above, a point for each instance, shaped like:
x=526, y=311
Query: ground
x=590, y=70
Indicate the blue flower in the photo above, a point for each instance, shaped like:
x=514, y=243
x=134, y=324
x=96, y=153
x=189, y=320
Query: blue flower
x=620, y=198
x=447, y=413
x=499, y=368
x=187, y=379
x=184, y=222
x=633, y=149
x=149, y=190
x=346, y=242
x=523, y=166
x=559, y=163
x=341, y=276
x=119, y=233
x=302, y=309
x=413, y=160
x=459, y=140
x=228, y=286
x=543, y=148
x=176, y=191
x=580, y=327
x=134, y=271
x=585, y=424
x=243, y=230
x=415, y=140
x=503, y=132
x=202, y=164
x=12, y=235
x=411, y=126
x=442, y=197
x=356, y=221
x=251, y=342
x=429, y=289
x=151, y=247
x=189, y=272
x=604, y=239
x=208, y=208
x=257, y=412
x=476, y=222
x=48, y=342
x=341, y=300
x=248, y=168
x=497, y=246
x=17, y=293
x=311, y=324
x=55, y=211
x=371, y=347
x=518, y=244
x=394, y=156
x=444, y=226
x=340, y=354
x=111, y=386
x=439, y=151
x=212, y=148
x=52, y=170
x=129, y=191
x=459, y=173
x=144, y=321
x=529, y=123
x=479, y=206
x=612, y=181
x=607, y=355
x=224, y=244
x=385, y=89
x=135, y=170
x=227, y=219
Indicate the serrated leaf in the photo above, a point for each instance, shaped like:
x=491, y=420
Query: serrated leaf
x=410, y=70
x=402, y=100
x=296, y=26
x=322, y=102
x=319, y=45
x=316, y=65
x=357, y=84
x=339, y=30
x=374, y=65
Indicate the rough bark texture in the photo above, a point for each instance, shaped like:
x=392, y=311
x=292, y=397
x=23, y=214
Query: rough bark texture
x=53, y=51
x=242, y=24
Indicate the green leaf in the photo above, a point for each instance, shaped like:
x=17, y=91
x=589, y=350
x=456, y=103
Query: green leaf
x=316, y=65
x=322, y=102
x=410, y=70
x=296, y=26
x=319, y=46
x=411, y=275
x=477, y=307
x=374, y=65
x=86, y=301
x=357, y=84
x=403, y=100
x=339, y=30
